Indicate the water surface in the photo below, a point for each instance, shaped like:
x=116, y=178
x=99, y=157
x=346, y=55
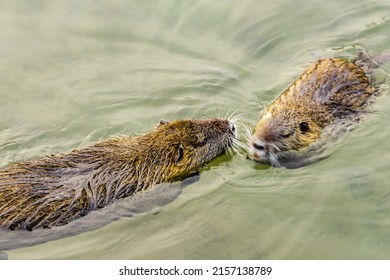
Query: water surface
x=75, y=72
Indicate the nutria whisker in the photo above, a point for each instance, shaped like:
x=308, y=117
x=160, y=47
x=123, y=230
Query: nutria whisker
x=229, y=113
x=247, y=133
x=239, y=147
x=235, y=118
x=231, y=116
x=233, y=149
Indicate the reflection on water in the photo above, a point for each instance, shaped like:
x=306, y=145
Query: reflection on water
x=77, y=72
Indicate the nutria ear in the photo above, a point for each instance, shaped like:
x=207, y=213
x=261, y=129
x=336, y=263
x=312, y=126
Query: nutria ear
x=162, y=122
x=179, y=154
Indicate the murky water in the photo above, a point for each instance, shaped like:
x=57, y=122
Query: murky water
x=76, y=72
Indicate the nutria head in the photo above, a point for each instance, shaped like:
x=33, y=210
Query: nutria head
x=277, y=135
x=171, y=150
x=182, y=146
x=329, y=92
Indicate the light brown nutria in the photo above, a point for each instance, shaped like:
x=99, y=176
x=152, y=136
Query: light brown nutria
x=57, y=189
x=329, y=92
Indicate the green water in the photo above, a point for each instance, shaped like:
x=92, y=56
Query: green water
x=75, y=72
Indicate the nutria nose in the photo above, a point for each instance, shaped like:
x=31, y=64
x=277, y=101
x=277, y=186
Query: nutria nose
x=232, y=127
x=258, y=147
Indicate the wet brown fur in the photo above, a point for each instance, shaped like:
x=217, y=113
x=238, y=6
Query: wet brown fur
x=57, y=189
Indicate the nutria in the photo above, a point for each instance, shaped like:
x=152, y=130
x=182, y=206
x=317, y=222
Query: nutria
x=57, y=189
x=330, y=92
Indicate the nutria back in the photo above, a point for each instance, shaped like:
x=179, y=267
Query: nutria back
x=330, y=91
x=57, y=189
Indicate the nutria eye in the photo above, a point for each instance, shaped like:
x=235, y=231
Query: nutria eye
x=304, y=127
x=179, y=155
x=202, y=143
x=258, y=147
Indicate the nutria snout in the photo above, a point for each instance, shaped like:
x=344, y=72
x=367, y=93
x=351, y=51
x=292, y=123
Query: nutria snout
x=57, y=189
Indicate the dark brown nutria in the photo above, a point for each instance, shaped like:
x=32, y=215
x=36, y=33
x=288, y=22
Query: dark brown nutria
x=57, y=189
x=330, y=91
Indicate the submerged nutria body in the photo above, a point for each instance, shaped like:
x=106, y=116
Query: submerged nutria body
x=329, y=92
x=57, y=189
